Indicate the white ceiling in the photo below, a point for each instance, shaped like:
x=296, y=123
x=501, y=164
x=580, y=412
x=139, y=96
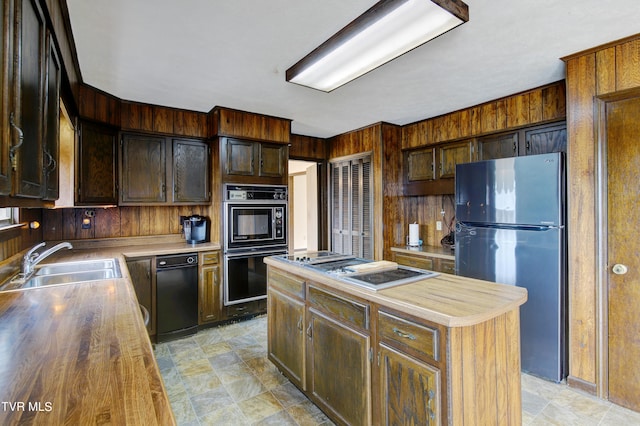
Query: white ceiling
x=197, y=54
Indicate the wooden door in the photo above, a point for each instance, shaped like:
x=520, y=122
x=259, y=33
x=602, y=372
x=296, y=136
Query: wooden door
x=6, y=82
x=498, y=146
x=51, y=140
x=545, y=139
x=190, y=171
x=96, y=164
x=29, y=97
x=210, y=294
x=143, y=170
x=409, y=390
x=273, y=160
x=140, y=272
x=419, y=164
x=623, y=246
x=452, y=154
x=285, y=316
x=339, y=376
x=239, y=157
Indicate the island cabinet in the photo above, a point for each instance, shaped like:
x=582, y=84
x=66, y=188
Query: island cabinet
x=400, y=355
x=339, y=356
x=411, y=371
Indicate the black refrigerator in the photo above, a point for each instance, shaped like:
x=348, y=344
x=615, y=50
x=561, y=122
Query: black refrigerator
x=511, y=230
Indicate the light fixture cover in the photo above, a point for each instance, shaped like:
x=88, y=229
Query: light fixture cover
x=387, y=30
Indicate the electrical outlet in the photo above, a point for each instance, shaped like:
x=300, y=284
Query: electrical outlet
x=438, y=225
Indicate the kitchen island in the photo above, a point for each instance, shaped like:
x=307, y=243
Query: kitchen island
x=80, y=353
x=443, y=350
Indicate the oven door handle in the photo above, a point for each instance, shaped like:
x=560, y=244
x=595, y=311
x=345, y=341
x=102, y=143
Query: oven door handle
x=255, y=253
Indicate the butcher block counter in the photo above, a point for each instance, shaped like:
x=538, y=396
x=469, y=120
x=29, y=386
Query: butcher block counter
x=80, y=353
x=437, y=351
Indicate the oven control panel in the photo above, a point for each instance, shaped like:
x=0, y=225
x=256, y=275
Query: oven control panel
x=279, y=222
x=255, y=193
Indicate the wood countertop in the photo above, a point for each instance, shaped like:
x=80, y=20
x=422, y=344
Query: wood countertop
x=80, y=353
x=450, y=300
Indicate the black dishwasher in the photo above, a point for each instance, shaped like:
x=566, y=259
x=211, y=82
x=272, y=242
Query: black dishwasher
x=176, y=296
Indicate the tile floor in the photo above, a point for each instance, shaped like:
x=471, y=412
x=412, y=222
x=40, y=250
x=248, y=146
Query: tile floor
x=221, y=376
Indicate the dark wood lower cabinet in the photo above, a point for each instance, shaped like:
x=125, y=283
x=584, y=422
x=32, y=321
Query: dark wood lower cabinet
x=339, y=369
x=409, y=388
x=287, y=347
x=144, y=286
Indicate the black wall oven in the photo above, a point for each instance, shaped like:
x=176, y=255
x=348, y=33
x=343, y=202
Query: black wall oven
x=255, y=227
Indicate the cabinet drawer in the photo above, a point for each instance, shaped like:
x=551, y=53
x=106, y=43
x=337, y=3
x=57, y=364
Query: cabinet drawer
x=286, y=282
x=345, y=309
x=249, y=308
x=210, y=258
x=407, y=333
x=447, y=266
x=413, y=261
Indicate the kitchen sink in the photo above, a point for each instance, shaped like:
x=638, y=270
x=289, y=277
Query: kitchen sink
x=66, y=273
x=70, y=277
x=71, y=267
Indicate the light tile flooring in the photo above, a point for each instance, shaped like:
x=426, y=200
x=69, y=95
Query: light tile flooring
x=221, y=376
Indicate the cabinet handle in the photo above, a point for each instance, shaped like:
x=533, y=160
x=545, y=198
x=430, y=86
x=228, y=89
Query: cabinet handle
x=300, y=324
x=51, y=162
x=403, y=334
x=515, y=147
x=14, y=148
x=309, y=331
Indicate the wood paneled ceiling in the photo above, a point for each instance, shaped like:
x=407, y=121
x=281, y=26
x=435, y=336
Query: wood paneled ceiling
x=196, y=54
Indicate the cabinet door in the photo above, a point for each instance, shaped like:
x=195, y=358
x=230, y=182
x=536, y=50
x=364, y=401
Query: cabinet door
x=96, y=165
x=419, y=164
x=6, y=83
x=273, y=160
x=29, y=97
x=546, y=139
x=143, y=170
x=209, y=294
x=51, y=141
x=286, y=344
x=498, y=146
x=190, y=171
x=409, y=390
x=140, y=272
x=239, y=159
x=339, y=376
x=452, y=154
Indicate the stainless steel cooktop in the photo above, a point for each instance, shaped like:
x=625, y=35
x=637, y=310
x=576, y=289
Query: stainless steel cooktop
x=337, y=265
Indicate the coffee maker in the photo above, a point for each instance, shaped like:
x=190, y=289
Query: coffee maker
x=195, y=228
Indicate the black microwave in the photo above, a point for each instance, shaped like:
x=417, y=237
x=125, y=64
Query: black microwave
x=255, y=225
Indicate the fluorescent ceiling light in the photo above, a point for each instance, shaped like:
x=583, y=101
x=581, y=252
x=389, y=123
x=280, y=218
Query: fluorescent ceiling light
x=384, y=32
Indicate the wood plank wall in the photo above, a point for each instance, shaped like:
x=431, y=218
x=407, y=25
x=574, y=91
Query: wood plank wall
x=536, y=106
x=382, y=140
x=604, y=70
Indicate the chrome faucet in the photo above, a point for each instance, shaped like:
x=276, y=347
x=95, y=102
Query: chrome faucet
x=31, y=258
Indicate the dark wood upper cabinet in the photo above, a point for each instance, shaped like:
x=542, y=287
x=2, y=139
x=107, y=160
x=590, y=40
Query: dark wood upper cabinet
x=246, y=161
x=498, y=146
x=451, y=154
x=161, y=170
x=420, y=164
x=28, y=114
x=6, y=82
x=190, y=171
x=143, y=172
x=239, y=157
x=96, y=165
x=545, y=139
x=51, y=149
x=273, y=160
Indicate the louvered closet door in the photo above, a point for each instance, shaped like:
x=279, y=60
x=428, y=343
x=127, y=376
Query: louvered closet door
x=351, y=209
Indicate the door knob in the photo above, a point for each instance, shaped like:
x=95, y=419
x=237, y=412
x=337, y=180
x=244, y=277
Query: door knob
x=619, y=269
